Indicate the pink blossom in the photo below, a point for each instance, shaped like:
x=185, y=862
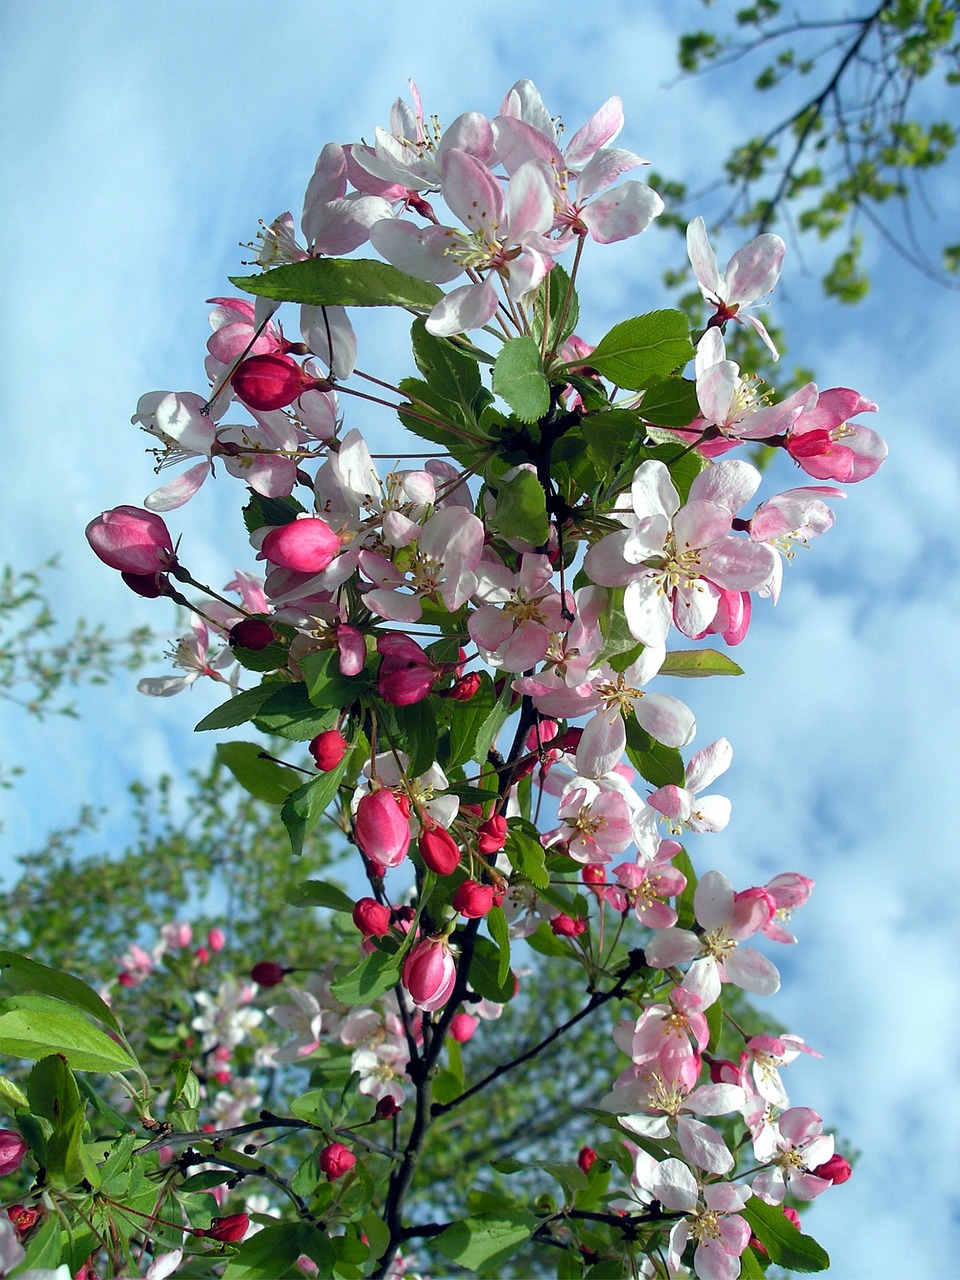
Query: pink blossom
x=801, y=1148
x=830, y=447
x=192, y=655
x=683, y=806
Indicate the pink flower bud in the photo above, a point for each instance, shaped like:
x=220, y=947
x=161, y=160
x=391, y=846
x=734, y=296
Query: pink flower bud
x=493, y=834
x=229, y=1229
x=131, y=540
x=372, y=918
x=308, y=545
x=335, y=1160
x=723, y=1071
x=791, y=1215
x=202, y=955
x=473, y=900
x=407, y=673
x=216, y=939
x=251, y=633
x=462, y=1027
x=593, y=874
x=567, y=927
x=381, y=828
x=429, y=973
x=267, y=973
x=270, y=381
x=438, y=848
x=586, y=1159
x=12, y=1150
x=836, y=1170
x=328, y=749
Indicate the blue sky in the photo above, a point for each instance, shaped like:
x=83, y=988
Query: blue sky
x=141, y=145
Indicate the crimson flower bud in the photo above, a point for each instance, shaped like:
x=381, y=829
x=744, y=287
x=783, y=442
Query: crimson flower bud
x=462, y=1027
x=723, y=1071
x=372, y=918
x=387, y=1107
x=594, y=874
x=493, y=834
x=463, y=690
x=229, y=1229
x=251, y=633
x=438, y=848
x=568, y=927
x=381, y=828
x=270, y=381
x=407, y=673
x=267, y=973
x=131, y=540
x=586, y=1159
x=335, y=1160
x=149, y=585
x=307, y=545
x=328, y=749
x=473, y=900
x=202, y=955
x=836, y=1169
x=222, y=1077
x=12, y=1150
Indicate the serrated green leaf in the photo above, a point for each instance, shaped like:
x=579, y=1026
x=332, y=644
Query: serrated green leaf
x=20, y=973
x=500, y=933
x=289, y=713
x=519, y=379
x=466, y=722
x=646, y=348
x=326, y=685
x=261, y=511
x=303, y=808
x=686, y=917
x=11, y=1095
x=66, y=1165
x=694, y=663
x=241, y=708
x=449, y=370
x=610, y=436
x=272, y=1253
x=544, y=941
x=485, y=973
x=52, y=1090
x=787, y=1247
x=670, y=403
x=49, y=1026
x=318, y=893
x=555, y=286
x=264, y=779
x=661, y=766
x=343, y=282
x=416, y=728
x=522, y=508
x=486, y=1240
x=373, y=976
x=750, y=1268
x=526, y=856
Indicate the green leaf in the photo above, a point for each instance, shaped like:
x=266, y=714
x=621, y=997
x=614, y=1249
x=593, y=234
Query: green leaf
x=11, y=1095
x=670, y=403
x=500, y=933
x=374, y=975
x=692, y=663
x=661, y=766
x=238, y=710
x=485, y=973
x=261, y=511
x=449, y=370
x=303, y=808
x=325, y=684
x=610, y=435
x=52, y=1090
x=342, y=282
x=636, y=352
x=546, y=942
x=493, y=724
x=486, y=1240
x=519, y=379
x=416, y=727
x=522, y=508
x=787, y=1247
x=555, y=285
x=264, y=779
x=272, y=1253
x=686, y=918
x=48, y=1026
x=466, y=722
x=289, y=713
x=750, y=1268
x=714, y=1016
x=22, y=974
x=65, y=1163
x=318, y=893
x=44, y=1249
x=527, y=856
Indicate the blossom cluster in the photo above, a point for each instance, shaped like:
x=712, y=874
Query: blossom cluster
x=577, y=516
